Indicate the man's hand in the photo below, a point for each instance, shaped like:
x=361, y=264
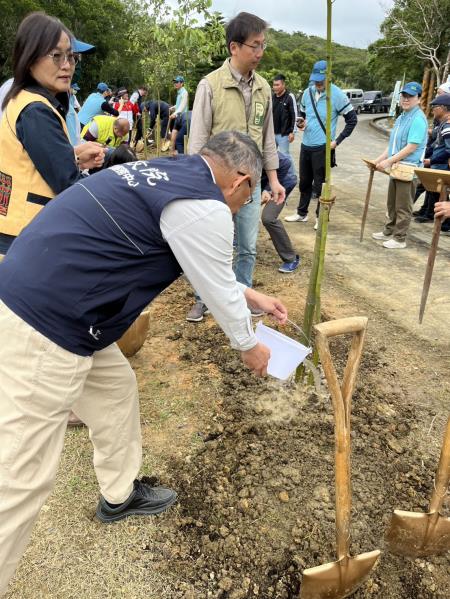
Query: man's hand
x=266, y=196
x=333, y=145
x=442, y=209
x=90, y=154
x=291, y=137
x=172, y=116
x=426, y=162
x=278, y=192
x=257, y=359
x=270, y=305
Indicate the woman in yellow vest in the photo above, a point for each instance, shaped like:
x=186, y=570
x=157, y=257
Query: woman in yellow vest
x=37, y=160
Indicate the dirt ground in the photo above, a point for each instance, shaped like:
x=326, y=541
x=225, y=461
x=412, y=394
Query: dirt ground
x=252, y=460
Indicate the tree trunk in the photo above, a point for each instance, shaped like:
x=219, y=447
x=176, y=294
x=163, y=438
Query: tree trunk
x=430, y=94
x=425, y=84
x=446, y=68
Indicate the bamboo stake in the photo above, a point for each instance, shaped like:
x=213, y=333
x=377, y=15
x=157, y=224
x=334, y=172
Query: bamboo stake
x=312, y=308
x=158, y=128
x=144, y=131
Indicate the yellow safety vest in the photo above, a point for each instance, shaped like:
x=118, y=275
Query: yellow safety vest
x=106, y=133
x=23, y=192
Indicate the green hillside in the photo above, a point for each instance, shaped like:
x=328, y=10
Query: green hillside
x=295, y=53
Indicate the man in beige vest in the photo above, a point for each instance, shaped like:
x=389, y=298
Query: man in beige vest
x=235, y=97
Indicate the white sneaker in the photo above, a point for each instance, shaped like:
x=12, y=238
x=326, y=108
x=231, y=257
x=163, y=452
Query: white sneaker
x=296, y=218
x=380, y=236
x=393, y=244
x=316, y=224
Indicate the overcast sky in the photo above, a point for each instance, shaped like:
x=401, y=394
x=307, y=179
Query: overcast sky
x=355, y=22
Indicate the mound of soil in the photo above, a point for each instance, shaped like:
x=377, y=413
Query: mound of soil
x=257, y=499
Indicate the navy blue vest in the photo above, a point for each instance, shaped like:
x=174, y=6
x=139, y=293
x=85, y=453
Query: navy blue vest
x=94, y=257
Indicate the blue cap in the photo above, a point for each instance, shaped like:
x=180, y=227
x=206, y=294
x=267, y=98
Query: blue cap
x=319, y=71
x=102, y=87
x=178, y=79
x=412, y=88
x=81, y=47
x=75, y=86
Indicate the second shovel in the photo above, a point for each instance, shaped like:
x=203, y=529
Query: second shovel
x=417, y=535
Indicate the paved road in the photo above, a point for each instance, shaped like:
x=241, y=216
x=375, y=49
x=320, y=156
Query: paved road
x=391, y=280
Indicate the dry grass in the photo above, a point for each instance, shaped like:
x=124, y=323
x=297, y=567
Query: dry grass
x=71, y=554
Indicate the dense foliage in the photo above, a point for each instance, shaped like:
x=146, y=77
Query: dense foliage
x=150, y=41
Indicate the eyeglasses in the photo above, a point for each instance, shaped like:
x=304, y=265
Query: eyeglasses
x=256, y=47
x=250, y=199
x=60, y=58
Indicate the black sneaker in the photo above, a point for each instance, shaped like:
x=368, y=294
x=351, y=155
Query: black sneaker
x=145, y=500
x=423, y=219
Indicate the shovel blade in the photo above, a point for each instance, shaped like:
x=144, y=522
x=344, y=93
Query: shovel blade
x=337, y=580
x=418, y=535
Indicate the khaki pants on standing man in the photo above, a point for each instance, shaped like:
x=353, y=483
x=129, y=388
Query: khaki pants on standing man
x=36, y=398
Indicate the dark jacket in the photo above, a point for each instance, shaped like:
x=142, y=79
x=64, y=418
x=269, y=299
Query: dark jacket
x=441, y=148
x=40, y=132
x=283, y=114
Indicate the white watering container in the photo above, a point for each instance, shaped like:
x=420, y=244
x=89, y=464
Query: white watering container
x=285, y=353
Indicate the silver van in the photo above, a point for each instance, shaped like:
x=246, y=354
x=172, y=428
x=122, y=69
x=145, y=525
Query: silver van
x=356, y=98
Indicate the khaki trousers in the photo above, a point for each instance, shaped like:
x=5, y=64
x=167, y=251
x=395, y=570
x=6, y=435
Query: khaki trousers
x=39, y=385
x=399, y=208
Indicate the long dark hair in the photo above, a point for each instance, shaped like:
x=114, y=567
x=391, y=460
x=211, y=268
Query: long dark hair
x=120, y=155
x=37, y=35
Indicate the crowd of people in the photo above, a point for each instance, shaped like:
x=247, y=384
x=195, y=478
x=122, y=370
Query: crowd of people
x=75, y=275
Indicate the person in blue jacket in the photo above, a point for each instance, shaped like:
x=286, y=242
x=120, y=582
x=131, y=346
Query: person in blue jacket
x=271, y=211
x=95, y=104
x=313, y=114
x=439, y=155
x=180, y=130
x=72, y=283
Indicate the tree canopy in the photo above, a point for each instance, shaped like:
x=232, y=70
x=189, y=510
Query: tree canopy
x=151, y=41
x=415, y=35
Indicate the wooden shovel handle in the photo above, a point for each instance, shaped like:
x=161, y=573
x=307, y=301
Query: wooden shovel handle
x=442, y=474
x=430, y=266
x=432, y=253
x=343, y=326
x=366, y=204
x=341, y=404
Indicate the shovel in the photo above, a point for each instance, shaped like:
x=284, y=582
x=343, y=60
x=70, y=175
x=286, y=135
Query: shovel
x=432, y=253
x=371, y=165
x=341, y=578
x=418, y=535
x=366, y=203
